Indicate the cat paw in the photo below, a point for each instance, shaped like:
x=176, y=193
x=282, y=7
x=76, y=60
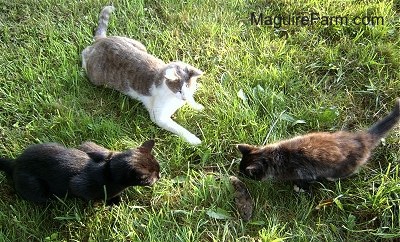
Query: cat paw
x=198, y=107
x=193, y=140
x=298, y=189
x=114, y=201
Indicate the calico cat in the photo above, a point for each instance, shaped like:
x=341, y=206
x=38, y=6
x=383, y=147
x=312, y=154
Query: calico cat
x=90, y=172
x=315, y=156
x=125, y=65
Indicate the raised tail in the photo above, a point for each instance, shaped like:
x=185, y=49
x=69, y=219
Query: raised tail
x=101, y=31
x=380, y=128
x=6, y=165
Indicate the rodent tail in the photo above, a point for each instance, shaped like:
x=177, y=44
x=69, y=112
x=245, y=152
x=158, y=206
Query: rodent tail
x=6, y=165
x=101, y=31
x=383, y=126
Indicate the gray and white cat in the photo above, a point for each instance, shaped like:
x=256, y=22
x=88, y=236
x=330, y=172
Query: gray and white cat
x=125, y=65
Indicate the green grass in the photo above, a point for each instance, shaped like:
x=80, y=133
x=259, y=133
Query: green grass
x=296, y=79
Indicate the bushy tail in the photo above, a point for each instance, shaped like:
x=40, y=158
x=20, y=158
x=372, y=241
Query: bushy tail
x=380, y=128
x=103, y=22
x=6, y=165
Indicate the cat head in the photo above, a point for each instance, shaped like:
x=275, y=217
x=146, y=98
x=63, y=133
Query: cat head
x=181, y=79
x=256, y=162
x=136, y=167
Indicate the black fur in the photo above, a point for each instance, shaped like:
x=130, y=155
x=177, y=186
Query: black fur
x=46, y=170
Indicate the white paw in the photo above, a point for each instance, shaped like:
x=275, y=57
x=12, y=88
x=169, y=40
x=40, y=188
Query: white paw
x=298, y=189
x=193, y=140
x=198, y=107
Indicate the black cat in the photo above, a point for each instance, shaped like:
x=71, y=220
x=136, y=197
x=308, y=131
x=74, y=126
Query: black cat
x=90, y=172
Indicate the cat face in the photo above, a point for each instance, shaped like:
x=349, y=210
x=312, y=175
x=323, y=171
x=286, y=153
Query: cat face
x=147, y=168
x=254, y=163
x=137, y=167
x=181, y=79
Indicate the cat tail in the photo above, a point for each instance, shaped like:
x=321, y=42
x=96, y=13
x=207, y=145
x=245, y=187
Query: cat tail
x=7, y=165
x=103, y=22
x=380, y=128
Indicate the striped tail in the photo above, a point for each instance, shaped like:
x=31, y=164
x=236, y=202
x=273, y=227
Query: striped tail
x=101, y=31
x=383, y=126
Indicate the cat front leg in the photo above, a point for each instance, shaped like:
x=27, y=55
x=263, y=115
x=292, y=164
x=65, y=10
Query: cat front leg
x=301, y=186
x=193, y=104
x=85, y=188
x=168, y=124
x=161, y=110
x=114, y=201
x=187, y=95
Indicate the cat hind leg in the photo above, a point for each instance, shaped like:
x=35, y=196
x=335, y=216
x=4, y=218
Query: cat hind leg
x=84, y=53
x=136, y=44
x=31, y=188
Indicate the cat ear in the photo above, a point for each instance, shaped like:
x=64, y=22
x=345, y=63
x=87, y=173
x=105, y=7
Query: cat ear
x=148, y=145
x=194, y=72
x=245, y=149
x=170, y=74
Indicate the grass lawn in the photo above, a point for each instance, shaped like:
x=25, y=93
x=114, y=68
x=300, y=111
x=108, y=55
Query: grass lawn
x=261, y=84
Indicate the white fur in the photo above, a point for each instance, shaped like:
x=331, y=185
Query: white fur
x=298, y=189
x=187, y=94
x=171, y=74
x=84, y=54
x=163, y=103
x=331, y=179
